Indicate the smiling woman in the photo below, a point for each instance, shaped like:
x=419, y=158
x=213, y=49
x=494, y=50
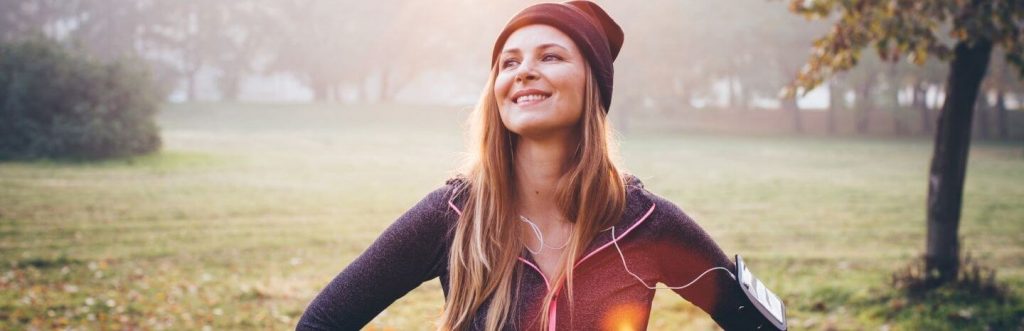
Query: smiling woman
x=541, y=231
x=540, y=81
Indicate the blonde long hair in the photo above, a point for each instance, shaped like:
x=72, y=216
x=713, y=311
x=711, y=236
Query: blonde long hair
x=488, y=238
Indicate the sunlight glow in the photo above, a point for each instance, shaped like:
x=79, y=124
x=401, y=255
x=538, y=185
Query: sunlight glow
x=624, y=317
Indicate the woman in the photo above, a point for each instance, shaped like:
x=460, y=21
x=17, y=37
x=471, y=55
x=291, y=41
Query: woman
x=524, y=240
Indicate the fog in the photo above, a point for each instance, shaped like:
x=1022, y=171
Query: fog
x=678, y=56
x=736, y=52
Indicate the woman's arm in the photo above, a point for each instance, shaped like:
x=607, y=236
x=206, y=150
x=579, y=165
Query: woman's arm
x=410, y=252
x=685, y=252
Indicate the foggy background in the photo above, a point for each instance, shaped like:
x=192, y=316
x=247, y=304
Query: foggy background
x=678, y=56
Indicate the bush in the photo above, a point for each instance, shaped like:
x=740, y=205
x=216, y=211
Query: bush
x=57, y=104
x=972, y=277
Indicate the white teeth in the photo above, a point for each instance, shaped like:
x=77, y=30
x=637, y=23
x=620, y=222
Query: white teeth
x=531, y=97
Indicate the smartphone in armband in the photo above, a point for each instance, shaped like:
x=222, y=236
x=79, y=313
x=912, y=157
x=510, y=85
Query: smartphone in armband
x=764, y=300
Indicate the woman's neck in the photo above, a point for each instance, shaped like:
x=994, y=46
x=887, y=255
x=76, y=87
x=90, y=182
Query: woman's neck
x=539, y=165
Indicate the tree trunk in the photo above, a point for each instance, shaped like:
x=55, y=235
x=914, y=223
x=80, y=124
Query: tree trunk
x=730, y=91
x=230, y=86
x=981, y=108
x=789, y=104
x=190, y=86
x=834, y=98
x=319, y=90
x=686, y=96
x=949, y=160
x=921, y=103
x=864, y=107
x=386, y=91
x=892, y=93
x=744, y=97
x=1002, y=118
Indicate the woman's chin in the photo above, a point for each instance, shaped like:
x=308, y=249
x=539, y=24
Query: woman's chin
x=531, y=108
x=539, y=128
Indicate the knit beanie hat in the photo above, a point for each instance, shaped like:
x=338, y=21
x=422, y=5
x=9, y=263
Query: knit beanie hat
x=596, y=35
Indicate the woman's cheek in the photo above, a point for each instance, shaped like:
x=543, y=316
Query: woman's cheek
x=501, y=87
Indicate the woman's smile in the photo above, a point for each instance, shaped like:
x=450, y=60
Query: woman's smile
x=529, y=97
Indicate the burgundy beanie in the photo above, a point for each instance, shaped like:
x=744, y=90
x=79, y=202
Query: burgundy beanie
x=596, y=35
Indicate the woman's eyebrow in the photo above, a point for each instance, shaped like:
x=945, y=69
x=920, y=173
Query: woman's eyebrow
x=549, y=45
x=541, y=46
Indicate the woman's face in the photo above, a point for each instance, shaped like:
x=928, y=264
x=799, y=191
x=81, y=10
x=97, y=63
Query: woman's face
x=540, y=82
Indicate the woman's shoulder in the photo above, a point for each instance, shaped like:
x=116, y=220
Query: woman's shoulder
x=668, y=223
x=455, y=187
x=449, y=198
x=667, y=214
x=439, y=206
x=455, y=184
x=637, y=192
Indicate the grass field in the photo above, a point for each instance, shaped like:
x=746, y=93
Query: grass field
x=250, y=210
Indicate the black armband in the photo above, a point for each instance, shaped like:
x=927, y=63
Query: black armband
x=760, y=308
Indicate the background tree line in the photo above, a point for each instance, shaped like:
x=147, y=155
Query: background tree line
x=734, y=56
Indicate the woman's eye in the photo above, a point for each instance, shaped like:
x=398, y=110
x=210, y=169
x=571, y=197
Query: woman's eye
x=507, y=63
x=551, y=57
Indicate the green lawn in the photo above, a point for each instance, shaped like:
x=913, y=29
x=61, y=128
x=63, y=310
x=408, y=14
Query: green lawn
x=250, y=210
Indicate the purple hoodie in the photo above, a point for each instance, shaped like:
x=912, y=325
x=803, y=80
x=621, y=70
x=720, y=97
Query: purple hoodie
x=660, y=243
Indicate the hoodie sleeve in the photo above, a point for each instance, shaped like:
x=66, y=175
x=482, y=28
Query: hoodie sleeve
x=685, y=251
x=411, y=251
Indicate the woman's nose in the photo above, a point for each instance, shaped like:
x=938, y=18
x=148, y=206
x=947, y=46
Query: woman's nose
x=526, y=72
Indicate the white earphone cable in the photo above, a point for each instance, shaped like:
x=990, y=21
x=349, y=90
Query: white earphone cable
x=615, y=241
x=540, y=237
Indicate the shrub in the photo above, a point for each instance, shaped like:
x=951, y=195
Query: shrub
x=972, y=277
x=59, y=104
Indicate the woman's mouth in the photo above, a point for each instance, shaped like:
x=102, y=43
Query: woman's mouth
x=526, y=97
x=530, y=99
